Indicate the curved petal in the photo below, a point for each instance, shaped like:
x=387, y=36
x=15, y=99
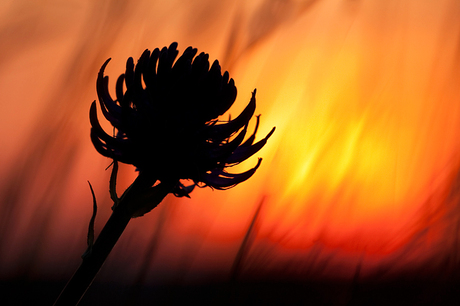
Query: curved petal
x=220, y=132
x=102, y=87
x=224, y=150
x=167, y=57
x=100, y=147
x=223, y=180
x=214, y=76
x=200, y=66
x=244, y=152
x=140, y=69
x=110, y=152
x=184, y=62
x=251, y=138
x=172, y=53
x=97, y=129
x=150, y=73
x=109, y=107
x=129, y=73
x=180, y=190
x=119, y=88
x=227, y=95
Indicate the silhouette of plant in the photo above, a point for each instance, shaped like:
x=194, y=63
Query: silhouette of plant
x=165, y=120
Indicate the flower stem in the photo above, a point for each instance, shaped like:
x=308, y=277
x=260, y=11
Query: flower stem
x=92, y=262
x=122, y=213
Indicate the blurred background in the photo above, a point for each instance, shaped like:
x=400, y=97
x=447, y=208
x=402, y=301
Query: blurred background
x=356, y=200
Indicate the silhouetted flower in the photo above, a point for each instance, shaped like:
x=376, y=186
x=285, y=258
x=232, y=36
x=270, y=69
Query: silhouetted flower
x=165, y=119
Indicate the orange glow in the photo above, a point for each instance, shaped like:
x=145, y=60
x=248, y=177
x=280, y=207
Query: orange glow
x=362, y=166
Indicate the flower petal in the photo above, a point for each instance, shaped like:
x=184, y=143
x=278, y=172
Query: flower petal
x=227, y=95
x=99, y=132
x=244, y=152
x=140, y=69
x=129, y=72
x=223, y=180
x=119, y=88
x=167, y=57
x=220, y=132
x=184, y=63
x=109, y=107
x=150, y=73
x=251, y=138
x=200, y=67
x=183, y=191
x=224, y=150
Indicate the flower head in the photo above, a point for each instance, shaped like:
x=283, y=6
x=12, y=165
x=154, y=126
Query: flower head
x=165, y=116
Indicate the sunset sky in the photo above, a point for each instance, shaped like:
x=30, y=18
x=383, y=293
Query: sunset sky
x=362, y=172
